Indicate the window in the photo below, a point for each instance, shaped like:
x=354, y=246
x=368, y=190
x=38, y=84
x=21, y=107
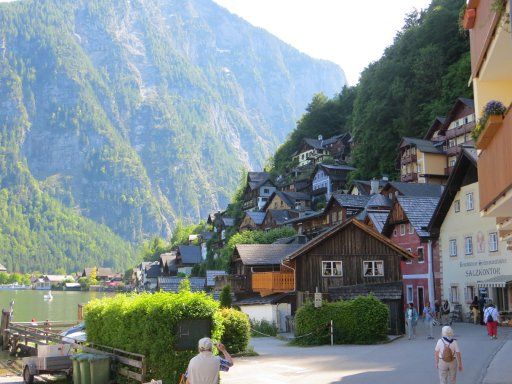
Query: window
x=468, y=245
x=451, y=143
x=332, y=268
x=456, y=205
x=493, y=242
x=469, y=201
x=402, y=229
x=469, y=293
x=411, y=229
x=452, y=163
x=266, y=190
x=453, y=247
x=419, y=168
x=454, y=294
x=394, y=232
x=409, y=294
x=409, y=261
x=373, y=268
x=466, y=120
x=421, y=256
x=333, y=217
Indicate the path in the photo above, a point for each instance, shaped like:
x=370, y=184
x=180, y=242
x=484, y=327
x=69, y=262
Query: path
x=401, y=361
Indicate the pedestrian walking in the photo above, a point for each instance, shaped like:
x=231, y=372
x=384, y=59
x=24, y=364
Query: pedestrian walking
x=447, y=357
x=428, y=317
x=437, y=307
x=475, y=309
x=204, y=368
x=481, y=307
x=491, y=317
x=445, y=313
x=411, y=319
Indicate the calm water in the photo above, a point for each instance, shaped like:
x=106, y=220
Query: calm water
x=30, y=304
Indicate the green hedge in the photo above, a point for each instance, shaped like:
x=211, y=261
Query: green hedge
x=145, y=324
x=363, y=320
x=237, y=330
x=263, y=328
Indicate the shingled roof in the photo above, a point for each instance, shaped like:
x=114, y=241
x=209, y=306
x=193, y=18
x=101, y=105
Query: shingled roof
x=264, y=254
x=378, y=219
x=426, y=146
x=190, y=254
x=348, y=200
x=257, y=217
x=416, y=189
x=419, y=211
x=257, y=179
x=171, y=284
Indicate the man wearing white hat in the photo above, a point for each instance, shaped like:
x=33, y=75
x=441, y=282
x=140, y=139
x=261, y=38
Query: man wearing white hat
x=205, y=367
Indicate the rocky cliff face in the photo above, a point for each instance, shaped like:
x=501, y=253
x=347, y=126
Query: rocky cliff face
x=139, y=112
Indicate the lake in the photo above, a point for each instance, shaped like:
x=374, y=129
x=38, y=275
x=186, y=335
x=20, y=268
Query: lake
x=30, y=304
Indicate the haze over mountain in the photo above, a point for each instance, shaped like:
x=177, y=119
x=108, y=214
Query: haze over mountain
x=137, y=113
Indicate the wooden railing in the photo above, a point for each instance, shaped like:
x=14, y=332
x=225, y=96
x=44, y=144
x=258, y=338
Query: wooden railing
x=271, y=282
x=495, y=165
x=410, y=158
x=409, y=177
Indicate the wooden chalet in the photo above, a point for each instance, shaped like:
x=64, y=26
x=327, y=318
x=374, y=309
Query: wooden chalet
x=275, y=218
x=343, y=206
x=350, y=260
x=327, y=179
x=252, y=221
x=367, y=187
x=297, y=201
x=309, y=224
x=259, y=269
x=258, y=189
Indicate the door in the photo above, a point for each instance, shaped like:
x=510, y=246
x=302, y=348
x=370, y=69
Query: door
x=421, y=302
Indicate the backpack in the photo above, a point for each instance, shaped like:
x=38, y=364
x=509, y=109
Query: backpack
x=490, y=318
x=448, y=354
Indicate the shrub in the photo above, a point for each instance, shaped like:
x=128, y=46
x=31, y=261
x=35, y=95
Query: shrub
x=237, y=330
x=263, y=328
x=363, y=320
x=146, y=324
x=225, y=297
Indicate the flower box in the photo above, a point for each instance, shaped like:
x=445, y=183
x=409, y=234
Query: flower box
x=494, y=123
x=469, y=18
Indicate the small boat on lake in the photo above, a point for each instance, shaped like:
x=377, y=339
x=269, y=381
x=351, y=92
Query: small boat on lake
x=48, y=296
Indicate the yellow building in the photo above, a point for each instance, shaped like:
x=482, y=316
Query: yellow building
x=473, y=261
x=422, y=161
x=488, y=22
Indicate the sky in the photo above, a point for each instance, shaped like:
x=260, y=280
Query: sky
x=351, y=33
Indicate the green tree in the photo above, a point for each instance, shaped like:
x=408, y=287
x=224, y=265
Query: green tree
x=184, y=285
x=225, y=297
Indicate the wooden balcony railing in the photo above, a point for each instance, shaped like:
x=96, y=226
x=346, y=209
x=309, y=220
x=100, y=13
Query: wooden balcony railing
x=272, y=282
x=409, y=177
x=495, y=165
x=411, y=158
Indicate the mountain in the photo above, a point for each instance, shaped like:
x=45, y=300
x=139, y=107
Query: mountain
x=130, y=114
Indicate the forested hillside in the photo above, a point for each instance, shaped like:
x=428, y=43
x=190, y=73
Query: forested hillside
x=137, y=113
x=418, y=78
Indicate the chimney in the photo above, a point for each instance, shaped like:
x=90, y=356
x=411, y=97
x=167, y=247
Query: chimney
x=385, y=177
x=320, y=137
x=374, y=186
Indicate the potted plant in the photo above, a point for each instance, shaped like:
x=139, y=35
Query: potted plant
x=488, y=124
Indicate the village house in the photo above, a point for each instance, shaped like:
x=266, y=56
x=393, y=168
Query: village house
x=150, y=274
x=258, y=189
x=347, y=261
x=395, y=188
x=219, y=223
x=46, y=282
x=407, y=227
x=296, y=185
x=343, y=206
x=172, y=283
x=102, y=274
x=367, y=187
x=491, y=60
x=168, y=264
x=309, y=223
x=188, y=256
x=252, y=221
x=421, y=161
x=275, y=218
x=474, y=260
x=327, y=179
x=296, y=201
x=315, y=151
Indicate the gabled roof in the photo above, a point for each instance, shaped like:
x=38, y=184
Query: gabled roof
x=416, y=189
x=364, y=186
x=378, y=200
x=290, y=198
x=100, y=272
x=57, y=278
x=228, y=221
x=378, y=219
x=257, y=217
x=280, y=216
x=426, y=146
x=169, y=260
x=336, y=172
x=464, y=172
x=153, y=270
x=461, y=101
x=340, y=227
x=348, y=200
x=307, y=215
x=436, y=126
x=264, y=254
x=258, y=179
x=297, y=239
x=190, y=254
x=419, y=211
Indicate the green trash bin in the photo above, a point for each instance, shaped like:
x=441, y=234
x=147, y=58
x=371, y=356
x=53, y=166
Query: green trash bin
x=85, y=368
x=100, y=369
x=76, y=369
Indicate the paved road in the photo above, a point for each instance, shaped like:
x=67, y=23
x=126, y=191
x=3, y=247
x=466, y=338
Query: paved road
x=401, y=361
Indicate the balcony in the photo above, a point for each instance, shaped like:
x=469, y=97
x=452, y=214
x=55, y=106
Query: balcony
x=459, y=131
x=495, y=172
x=238, y=283
x=453, y=151
x=407, y=159
x=267, y=283
x=408, y=177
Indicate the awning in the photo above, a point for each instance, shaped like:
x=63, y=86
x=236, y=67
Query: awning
x=496, y=282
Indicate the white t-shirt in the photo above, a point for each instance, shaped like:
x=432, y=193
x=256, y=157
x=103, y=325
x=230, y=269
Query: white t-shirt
x=204, y=369
x=440, y=347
